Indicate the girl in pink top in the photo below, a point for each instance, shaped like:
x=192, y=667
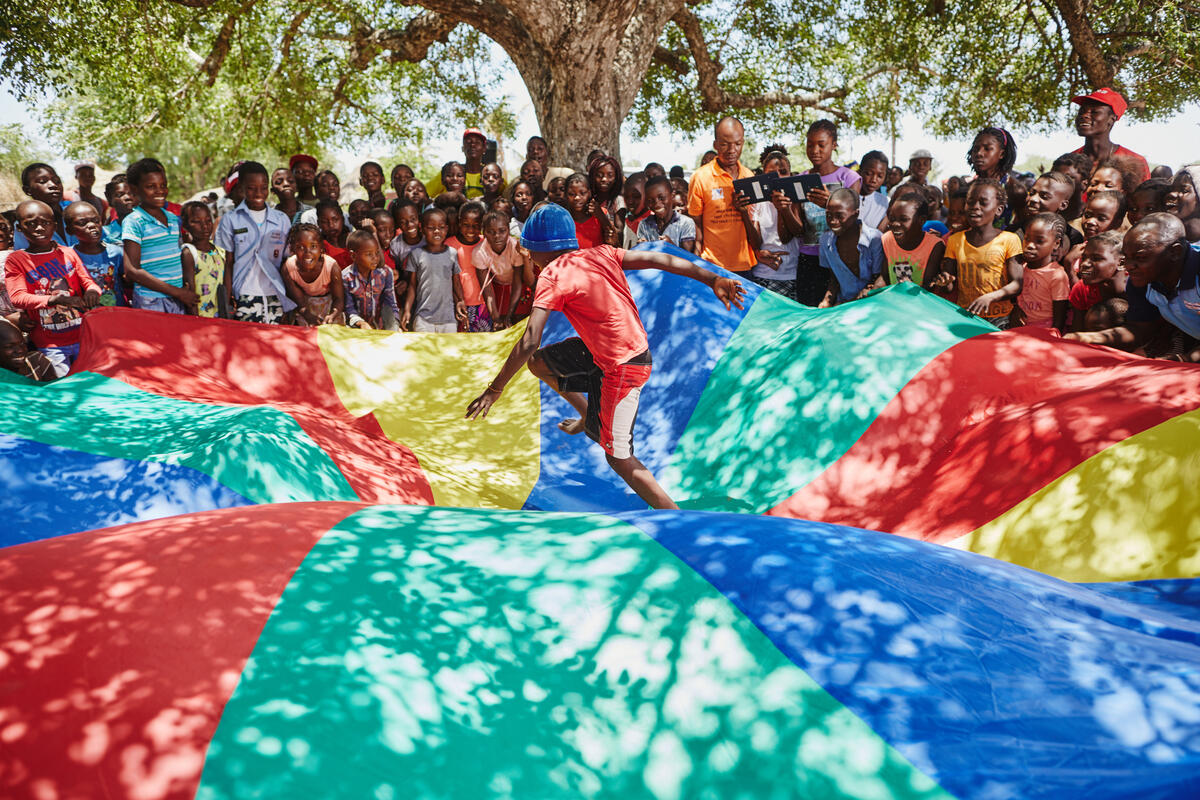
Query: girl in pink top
x=1044, y=284
x=498, y=264
x=313, y=279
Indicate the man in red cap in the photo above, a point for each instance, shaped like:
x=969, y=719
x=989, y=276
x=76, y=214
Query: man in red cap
x=474, y=145
x=304, y=170
x=1098, y=112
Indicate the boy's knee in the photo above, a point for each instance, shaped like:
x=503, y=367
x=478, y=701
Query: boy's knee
x=538, y=367
x=622, y=466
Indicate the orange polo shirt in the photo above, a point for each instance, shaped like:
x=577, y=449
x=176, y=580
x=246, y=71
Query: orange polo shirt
x=710, y=199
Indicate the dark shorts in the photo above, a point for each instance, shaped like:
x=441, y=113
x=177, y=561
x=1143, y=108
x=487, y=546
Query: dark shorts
x=612, y=397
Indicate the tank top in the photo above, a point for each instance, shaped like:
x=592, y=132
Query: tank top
x=907, y=265
x=317, y=286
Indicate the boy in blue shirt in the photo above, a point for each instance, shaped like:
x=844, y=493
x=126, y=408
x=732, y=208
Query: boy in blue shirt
x=254, y=238
x=103, y=260
x=153, y=252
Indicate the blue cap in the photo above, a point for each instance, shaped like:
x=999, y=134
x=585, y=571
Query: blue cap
x=549, y=228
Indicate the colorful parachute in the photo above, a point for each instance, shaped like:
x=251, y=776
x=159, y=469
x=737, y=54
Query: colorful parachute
x=249, y=561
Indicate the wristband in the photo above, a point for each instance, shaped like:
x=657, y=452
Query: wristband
x=492, y=388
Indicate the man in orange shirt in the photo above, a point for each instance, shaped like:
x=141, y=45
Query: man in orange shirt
x=719, y=229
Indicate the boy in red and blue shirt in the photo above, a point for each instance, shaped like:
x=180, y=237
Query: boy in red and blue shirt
x=51, y=284
x=610, y=359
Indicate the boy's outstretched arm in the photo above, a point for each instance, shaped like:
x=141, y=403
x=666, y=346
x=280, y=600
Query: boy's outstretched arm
x=522, y=351
x=727, y=290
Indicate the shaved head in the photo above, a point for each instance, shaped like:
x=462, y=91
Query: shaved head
x=32, y=206
x=1161, y=228
x=843, y=195
x=730, y=138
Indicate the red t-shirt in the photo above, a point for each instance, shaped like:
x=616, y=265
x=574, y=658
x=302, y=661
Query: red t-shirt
x=1083, y=296
x=339, y=254
x=589, y=287
x=33, y=278
x=1124, y=152
x=588, y=233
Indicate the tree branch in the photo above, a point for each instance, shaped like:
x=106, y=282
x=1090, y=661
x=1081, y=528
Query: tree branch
x=671, y=59
x=714, y=98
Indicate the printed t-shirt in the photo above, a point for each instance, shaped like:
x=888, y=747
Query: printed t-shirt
x=434, y=301
x=814, y=215
x=908, y=265
x=982, y=269
x=472, y=292
x=105, y=269
x=590, y=289
x=161, y=248
x=33, y=278
x=710, y=198
x=499, y=264
x=1040, y=288
x=209, y=276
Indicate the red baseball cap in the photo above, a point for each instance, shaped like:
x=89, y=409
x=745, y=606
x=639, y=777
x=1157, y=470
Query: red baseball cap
x=301, y=158
x=1108, y=97
x=474, y=132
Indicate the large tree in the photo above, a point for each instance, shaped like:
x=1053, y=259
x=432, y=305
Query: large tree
x=277, y=74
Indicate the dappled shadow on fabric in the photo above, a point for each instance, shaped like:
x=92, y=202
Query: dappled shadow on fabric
x=427, y=653
x=688, y=330
x=247, y=364
x=995, y=680
x=796, y=387
x=985, y=425
x=50, y=491
x=119, y=648
x=418, y=386
x=258, y=454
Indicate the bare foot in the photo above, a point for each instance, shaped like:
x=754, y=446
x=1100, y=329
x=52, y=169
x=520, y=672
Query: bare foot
x=571, y=426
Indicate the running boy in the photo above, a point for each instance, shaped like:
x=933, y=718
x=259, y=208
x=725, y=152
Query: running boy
x=611, y=359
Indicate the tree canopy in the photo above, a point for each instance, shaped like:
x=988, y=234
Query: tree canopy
x=212, y=79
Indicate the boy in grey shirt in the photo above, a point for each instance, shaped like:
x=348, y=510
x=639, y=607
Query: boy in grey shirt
x=435, y=284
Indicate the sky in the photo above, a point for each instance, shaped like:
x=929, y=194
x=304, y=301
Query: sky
x=1173, y=142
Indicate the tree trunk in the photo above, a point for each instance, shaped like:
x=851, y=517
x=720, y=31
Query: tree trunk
x=582, y=61
x=578, y=110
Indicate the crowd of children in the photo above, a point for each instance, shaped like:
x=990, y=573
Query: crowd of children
x=1055, y=250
